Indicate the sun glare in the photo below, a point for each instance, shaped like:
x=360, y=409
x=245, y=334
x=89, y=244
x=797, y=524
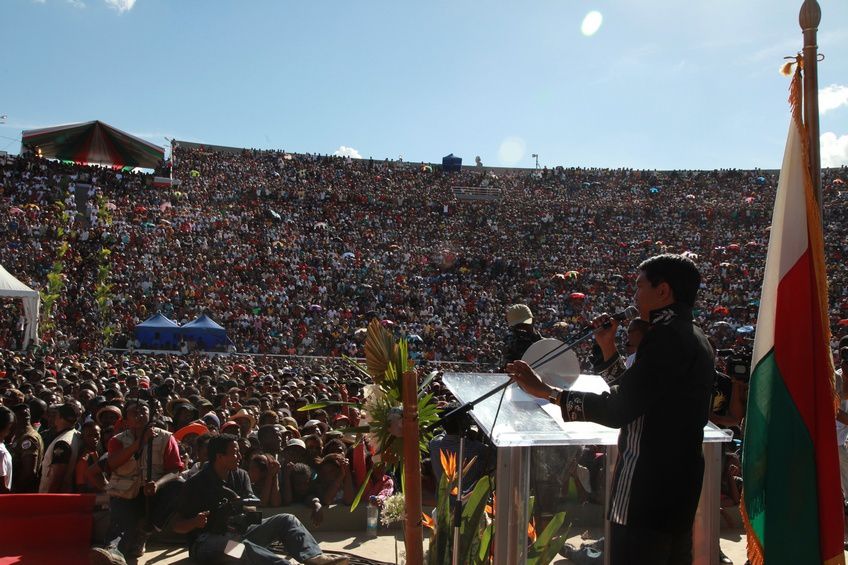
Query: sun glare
x=591, y=23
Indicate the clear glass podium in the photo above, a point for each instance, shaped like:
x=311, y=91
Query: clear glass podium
x=524, y=422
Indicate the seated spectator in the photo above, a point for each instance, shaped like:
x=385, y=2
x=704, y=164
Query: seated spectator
x=333, y=480
x=380, y=485
x=314, y=448
x=264, y=472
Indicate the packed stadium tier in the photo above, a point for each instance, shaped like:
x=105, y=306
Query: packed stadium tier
x=292, y=254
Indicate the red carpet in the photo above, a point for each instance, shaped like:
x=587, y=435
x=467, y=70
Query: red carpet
x=42, y=529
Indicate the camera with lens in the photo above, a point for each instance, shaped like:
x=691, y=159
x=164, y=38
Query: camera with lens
x=739, y=364
x=238, y=517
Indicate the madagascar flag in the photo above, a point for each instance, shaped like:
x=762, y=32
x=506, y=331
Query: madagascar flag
x=792, y=501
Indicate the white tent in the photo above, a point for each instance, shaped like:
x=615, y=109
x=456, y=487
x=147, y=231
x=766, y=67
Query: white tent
x=12, y=287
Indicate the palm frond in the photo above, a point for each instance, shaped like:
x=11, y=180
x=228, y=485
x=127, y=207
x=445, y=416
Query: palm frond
x=379, y=350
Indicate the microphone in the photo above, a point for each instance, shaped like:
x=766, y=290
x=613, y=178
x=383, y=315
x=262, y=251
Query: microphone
x=629, y=313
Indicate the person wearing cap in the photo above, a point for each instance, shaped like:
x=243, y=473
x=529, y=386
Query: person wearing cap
x=60, y=457
x=201, y=515
x=108, y=415
x=295, y=451
x=211, y=420
x=245, y=420
x=312, y=427
x=522, y=334
x=27, y=451
x=182, y=411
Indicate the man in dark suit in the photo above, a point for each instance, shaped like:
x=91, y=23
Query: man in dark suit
x=661, y=403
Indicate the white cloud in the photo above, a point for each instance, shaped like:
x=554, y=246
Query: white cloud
x=77, y=3
x=832, y=97
x=343, y=151
x=834, y=150
x=121, y=5
x=39, y=1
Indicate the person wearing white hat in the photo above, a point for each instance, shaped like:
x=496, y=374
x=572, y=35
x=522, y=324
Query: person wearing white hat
x=522, y=334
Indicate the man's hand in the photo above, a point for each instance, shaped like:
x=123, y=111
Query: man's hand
x=317, y=515
x=149, y=488
x=273, y=466
x=527, y=379
x=605, y=328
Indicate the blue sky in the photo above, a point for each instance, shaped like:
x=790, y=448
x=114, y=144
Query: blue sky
x=660, y=84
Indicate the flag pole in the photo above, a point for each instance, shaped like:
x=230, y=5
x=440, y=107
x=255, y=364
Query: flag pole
x=809, y=19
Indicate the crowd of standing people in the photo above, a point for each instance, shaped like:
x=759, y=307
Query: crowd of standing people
x=294, y=255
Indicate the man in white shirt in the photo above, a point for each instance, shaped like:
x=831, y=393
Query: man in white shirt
x=7, y=422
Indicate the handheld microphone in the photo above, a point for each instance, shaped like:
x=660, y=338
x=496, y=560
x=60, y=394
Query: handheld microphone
x=629, y=313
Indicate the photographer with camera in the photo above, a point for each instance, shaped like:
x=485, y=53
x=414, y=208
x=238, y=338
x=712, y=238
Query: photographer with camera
x=222, y=529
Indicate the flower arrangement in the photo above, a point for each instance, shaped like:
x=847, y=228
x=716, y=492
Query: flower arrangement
x=476, y=529
x=386, y=361
x=394, y=510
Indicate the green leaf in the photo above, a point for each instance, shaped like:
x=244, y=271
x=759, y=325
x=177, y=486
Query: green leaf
x=364, y=429
x=443, y=523
x=472, y=513
x=549, y=542
x=485, y=543
x=359, y=494
x=358, y=366
x=321, y=405
x=427, y=380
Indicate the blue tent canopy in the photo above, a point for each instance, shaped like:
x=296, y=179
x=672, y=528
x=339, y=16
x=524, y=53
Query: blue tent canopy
x=206, y=332
x=158, y=332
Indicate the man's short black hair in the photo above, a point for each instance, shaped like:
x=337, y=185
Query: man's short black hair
x=202, y=440
x=133, y=402
x=68, y=412
x=37, y=408
x=218, y=446
x=678, y=271
x=6, y=417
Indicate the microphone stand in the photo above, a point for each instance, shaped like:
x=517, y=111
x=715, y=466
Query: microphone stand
x=549, y=356
x=466, y=408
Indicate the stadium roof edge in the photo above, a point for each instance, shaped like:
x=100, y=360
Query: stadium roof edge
x=229, y=149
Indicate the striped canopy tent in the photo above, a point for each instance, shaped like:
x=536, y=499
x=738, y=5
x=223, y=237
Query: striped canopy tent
x=92, y=142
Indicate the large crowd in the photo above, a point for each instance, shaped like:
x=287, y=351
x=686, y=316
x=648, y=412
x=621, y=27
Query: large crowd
x=295, y=254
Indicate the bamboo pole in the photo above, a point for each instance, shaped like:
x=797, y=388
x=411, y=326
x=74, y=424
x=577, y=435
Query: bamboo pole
x=413, y=530
x=809, y=19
